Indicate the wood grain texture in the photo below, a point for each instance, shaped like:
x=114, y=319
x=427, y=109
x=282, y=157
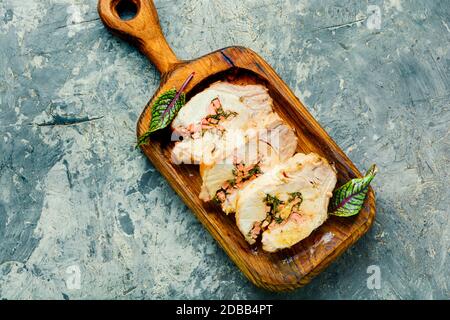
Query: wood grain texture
x=283, y=270
x=143, y=31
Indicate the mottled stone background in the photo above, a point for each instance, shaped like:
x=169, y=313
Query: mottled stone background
x=75, y=194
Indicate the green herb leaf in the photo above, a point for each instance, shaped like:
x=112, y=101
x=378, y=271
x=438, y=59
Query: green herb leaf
x=255, y=170
x=295, y=195
x=348, y=199
x=278, y=220
x=164, y=110
x=273, y=202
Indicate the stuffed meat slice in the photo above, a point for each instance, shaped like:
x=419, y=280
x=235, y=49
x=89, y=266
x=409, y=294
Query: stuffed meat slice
x=286, y=203
x=217, y=119
x=265, y=149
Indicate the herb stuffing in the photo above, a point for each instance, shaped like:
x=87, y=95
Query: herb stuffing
x=273, y=207
x=296, y=199
x=220, y=113
x=217, y=114
x=273, y=203
x=278, y=210
x=242, y=174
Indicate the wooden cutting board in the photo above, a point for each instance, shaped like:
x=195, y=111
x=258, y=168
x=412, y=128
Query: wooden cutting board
x=286, y=269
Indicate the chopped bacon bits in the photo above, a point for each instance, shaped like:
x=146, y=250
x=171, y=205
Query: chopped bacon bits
x=216, y=113
x=255, y=230
x=242, y=174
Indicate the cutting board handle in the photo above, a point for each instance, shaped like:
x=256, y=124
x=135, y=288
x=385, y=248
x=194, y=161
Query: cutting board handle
x=143, y=30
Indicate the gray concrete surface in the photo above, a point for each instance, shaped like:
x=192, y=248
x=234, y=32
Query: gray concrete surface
x=77, y=202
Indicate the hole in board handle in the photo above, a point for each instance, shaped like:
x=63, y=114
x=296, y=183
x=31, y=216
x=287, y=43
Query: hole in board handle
x=126, y=9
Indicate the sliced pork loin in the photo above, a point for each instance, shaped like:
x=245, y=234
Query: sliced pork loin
x=217, y=120
x=247, y=163
x=264, y=149
x=286, y=203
